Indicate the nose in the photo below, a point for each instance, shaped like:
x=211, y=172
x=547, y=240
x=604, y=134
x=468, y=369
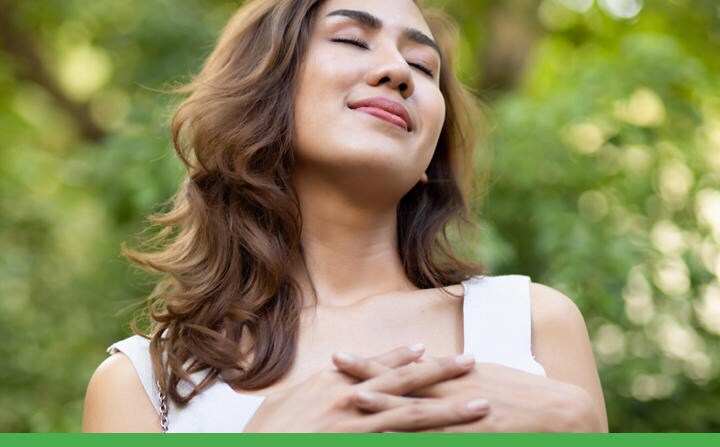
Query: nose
x=393, y=71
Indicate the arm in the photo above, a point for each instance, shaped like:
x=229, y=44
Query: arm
x=561, y=344
x=325, y=402
x=569, y=399
x=116, y=401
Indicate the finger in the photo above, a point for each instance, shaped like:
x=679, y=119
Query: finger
x=405, y=379
x=425, y=358
x=471, y=427
x=375, y=402
x=400, y=356
x=423, y=414
x=364, y=368
x=358, y=367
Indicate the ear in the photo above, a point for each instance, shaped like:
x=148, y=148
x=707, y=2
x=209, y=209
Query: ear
x=424, y=178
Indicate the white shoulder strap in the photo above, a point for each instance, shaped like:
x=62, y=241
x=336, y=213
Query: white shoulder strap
x=217, y=409
x=137, y=349
x=497, y=321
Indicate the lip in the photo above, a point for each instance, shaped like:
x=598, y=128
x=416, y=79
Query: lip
x=386, y=109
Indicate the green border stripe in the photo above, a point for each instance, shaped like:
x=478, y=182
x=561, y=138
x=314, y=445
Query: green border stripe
x=358, y=440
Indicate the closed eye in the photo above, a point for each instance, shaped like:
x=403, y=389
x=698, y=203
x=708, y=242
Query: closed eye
x=351, y=41
x=422, y=68
x=360, y=44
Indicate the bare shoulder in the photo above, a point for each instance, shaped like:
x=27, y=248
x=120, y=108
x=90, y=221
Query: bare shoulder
x=557, y=325
x=561, y=344
x=116, y=401
x=551, y=308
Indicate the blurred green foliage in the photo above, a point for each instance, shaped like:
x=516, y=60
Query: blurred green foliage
x=605, y=133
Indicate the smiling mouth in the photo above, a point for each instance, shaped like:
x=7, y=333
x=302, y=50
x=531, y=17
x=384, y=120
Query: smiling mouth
x=384, y=115
x=385, y=109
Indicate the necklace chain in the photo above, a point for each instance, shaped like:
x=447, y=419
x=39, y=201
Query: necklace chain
x=163, y=408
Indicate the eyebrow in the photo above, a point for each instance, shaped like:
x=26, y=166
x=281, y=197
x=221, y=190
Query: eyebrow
x=370, y=21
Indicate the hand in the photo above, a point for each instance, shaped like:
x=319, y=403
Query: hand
x=329, y=401
x=520, y=402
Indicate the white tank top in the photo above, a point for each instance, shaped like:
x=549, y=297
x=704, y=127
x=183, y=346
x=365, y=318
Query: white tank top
x=496, y=318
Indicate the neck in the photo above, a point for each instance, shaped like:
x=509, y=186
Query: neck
x=349, y=247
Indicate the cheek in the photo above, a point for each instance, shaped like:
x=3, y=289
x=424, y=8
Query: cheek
x=440, y=113
x=319, y=91
x=322, y=70
x=436, y=118
x=307, y=98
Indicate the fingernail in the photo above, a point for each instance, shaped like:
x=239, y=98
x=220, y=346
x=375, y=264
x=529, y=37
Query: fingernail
x=465, y=360
x=478, y=406
x=417, y=348
x=344, y=357
x=365, y=397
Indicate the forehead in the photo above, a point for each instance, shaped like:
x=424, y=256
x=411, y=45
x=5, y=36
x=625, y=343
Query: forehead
x=398, y=14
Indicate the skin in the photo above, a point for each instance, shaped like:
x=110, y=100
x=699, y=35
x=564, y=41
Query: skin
x=570, y=399
x=351, y=170
x=338, y=150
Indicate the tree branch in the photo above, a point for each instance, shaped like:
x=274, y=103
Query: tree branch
x=22, y=48
x=512, y=32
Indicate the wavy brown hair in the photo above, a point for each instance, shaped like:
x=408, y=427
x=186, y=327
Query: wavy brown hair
x=227, y=303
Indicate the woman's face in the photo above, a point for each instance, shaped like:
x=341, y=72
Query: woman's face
x=368, y=106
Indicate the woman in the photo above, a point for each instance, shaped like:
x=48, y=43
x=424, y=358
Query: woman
x=328, y=147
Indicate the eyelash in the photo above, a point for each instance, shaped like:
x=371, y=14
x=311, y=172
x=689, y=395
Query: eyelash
x=364, y=46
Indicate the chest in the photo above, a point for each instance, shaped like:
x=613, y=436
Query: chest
x=431, y=317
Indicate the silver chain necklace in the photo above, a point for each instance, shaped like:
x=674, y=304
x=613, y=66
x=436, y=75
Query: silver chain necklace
x=163, y=408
